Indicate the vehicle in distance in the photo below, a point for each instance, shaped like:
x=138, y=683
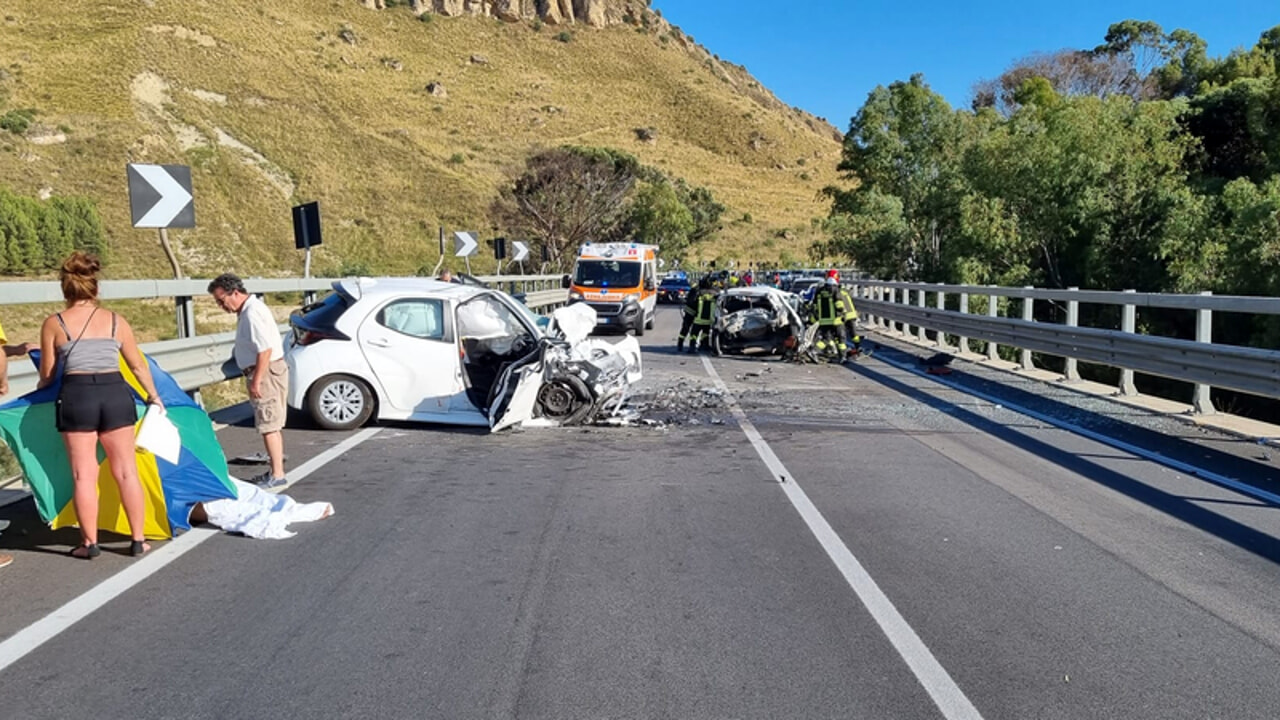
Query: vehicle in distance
x=674, y=288
x=619, y=281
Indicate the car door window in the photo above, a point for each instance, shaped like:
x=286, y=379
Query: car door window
x=487, y=317
x=419, y=317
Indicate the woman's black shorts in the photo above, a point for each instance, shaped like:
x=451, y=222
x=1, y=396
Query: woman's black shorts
x=95, y=402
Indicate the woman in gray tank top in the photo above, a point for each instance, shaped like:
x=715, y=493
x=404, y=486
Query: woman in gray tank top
x=82, y=345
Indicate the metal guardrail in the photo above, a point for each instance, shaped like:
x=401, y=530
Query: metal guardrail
x=199, y=360
x=1200, y=361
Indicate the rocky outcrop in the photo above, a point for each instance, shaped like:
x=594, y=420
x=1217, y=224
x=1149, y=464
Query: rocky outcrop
x=596, y=13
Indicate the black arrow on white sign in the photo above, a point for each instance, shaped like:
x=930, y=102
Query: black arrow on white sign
x=160, y=196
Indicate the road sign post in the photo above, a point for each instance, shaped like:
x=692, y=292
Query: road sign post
x=306, y=231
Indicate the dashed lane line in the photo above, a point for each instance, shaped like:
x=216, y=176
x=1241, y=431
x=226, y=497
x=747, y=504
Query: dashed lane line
x=948, y=696
x=50, y=626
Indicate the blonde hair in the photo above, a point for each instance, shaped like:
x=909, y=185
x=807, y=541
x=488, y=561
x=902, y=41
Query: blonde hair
x=79, y=276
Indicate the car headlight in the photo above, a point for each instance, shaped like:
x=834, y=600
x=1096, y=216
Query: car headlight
x=633, y=297
x=574, y=295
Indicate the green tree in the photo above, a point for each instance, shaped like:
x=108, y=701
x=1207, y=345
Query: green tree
x=567, y=196
x=82, y=225
x=906, y=143
x=19, y=243
x=657, y=216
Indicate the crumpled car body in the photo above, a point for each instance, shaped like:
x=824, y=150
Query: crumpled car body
x=570, y=378
x=757, y=320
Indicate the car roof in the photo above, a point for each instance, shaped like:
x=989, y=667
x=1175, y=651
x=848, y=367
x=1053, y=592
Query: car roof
x=365, y=287
x=755, y=291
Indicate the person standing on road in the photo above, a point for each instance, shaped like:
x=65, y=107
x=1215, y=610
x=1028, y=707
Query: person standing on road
x=259, y=353
x=9, y=351
x=828, y=311
x=703, y=317
x=689, y=311
x=852, y=338
x=95, y=404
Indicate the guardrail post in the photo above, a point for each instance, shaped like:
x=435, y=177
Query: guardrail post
x=1028, y=314
x=1201, y=400
x=880, y=319
x=940, y=301
x=963, y=341
x=920, y=302
x=1129, y=324
x=1072, y=370
x=993, y=309
x=185, y=309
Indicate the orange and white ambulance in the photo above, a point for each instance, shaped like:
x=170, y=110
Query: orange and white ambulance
x=620, y=281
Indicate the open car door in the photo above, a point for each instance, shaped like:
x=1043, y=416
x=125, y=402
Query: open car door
x=515, y=397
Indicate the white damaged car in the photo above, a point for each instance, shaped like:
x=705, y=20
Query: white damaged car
x=428, y=351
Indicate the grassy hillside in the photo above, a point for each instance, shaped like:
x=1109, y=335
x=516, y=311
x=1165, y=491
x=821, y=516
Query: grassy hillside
x=274, y=104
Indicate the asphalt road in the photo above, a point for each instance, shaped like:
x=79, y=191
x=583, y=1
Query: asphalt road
x=666, y=572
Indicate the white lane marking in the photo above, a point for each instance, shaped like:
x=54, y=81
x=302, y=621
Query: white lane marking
x=948, y=696
x=1213, y=477
x=51, y=625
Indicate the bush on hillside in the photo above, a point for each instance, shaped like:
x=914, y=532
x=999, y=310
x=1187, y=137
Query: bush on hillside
x=37, y=236
x=17, y=121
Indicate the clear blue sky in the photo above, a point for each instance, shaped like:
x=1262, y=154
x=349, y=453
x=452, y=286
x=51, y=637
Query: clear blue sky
x=825, y=55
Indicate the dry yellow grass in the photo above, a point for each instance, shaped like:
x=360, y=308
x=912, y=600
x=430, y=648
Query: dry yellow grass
x=272, y=107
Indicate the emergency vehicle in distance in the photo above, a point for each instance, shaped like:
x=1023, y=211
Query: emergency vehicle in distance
x=619, y=281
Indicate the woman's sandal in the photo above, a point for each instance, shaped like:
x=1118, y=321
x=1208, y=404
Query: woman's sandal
x=138, y=547
x=90, y=551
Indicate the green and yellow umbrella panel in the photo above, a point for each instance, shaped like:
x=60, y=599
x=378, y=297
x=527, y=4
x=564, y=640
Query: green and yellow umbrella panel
x=171, y=489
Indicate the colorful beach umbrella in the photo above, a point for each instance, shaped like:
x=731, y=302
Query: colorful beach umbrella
x=171, y=489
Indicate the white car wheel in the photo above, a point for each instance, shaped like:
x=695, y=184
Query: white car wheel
x=340, y=402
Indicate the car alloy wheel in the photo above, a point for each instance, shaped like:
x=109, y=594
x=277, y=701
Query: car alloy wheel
x=341, y=402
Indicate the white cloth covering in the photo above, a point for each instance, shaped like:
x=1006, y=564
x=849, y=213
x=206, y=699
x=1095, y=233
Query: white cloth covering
x=260, y=514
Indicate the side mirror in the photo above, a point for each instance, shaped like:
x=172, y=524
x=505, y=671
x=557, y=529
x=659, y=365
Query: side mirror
x=648, y=284
x=566, y=282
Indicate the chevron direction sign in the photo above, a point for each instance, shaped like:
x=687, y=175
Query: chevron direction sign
x=160, y=196
x=464, y=244
x=521, y=251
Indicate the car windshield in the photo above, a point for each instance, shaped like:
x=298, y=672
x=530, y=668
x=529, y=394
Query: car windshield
x=535, y=320
x=607, y=273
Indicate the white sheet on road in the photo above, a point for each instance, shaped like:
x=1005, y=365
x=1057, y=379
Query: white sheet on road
x=260, y=514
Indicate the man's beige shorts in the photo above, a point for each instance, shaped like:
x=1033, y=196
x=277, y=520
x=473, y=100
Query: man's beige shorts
x=270, y=410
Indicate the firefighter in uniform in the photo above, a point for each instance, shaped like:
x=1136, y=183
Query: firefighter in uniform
x=690, y=311
x=828, y=310
x=703, y=315
x=850, y=315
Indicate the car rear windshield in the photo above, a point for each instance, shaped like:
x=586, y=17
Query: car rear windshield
x=607, y=273
x=322, y=315
x=674, y=282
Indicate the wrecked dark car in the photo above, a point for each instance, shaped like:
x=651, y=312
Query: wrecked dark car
x=757, y=320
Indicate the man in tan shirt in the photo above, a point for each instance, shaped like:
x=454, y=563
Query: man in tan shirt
x=259, y=352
